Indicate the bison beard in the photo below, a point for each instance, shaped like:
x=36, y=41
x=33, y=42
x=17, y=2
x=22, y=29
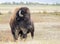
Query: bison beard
x=21, y=23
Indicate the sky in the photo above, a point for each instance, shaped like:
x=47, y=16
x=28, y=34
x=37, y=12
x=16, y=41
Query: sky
x=40, y=1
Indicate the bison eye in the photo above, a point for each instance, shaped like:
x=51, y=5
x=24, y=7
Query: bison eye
x=20, y=14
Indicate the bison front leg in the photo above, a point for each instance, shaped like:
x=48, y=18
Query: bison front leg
x=15, y=34
x=32, y=34
x=32, y=31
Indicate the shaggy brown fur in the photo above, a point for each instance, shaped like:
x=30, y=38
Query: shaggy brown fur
x=21, y=25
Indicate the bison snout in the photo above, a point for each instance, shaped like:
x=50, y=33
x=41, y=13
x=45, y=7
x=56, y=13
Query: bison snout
x=24, y=35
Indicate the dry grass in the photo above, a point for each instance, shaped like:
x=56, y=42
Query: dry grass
x=5, y=36
x=43, y=35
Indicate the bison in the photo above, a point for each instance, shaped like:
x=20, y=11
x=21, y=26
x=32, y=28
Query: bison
x=21, y=23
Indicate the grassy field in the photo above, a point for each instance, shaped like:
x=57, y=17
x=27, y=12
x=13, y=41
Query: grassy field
x=46, y=23
x=33, y=8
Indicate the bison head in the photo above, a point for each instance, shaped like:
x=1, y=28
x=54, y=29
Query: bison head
x=23, y=13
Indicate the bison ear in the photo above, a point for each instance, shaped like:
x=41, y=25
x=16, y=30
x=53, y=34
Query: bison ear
x=20, y=14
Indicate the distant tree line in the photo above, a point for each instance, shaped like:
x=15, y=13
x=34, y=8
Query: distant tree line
x=27, y=3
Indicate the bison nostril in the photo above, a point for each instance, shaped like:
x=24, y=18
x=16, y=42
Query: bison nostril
x=24, y=36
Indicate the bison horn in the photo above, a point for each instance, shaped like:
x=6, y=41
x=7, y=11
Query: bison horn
x=20, y=14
